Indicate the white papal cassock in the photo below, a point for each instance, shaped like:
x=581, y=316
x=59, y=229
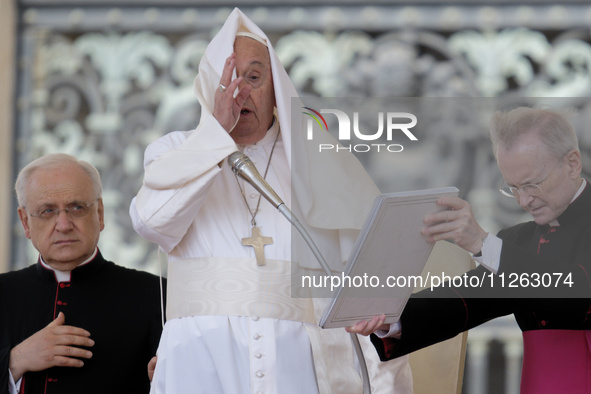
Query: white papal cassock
x=232, y=325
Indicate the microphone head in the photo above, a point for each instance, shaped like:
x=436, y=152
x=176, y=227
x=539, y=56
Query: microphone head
x=243, y=167
x=237, y=161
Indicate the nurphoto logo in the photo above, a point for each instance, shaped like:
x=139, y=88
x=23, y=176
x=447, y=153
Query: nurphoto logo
x=390, y=123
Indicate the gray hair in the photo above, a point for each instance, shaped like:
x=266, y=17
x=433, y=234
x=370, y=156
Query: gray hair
x=553, y=128
x=53, y=161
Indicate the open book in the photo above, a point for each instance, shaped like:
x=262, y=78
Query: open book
x=387, y=259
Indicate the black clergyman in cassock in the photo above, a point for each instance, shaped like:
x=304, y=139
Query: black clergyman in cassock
x=120, y=307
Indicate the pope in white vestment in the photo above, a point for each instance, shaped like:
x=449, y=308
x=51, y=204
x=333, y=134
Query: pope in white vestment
x=232, y=325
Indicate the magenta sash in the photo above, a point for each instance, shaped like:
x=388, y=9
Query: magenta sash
x=556, y=361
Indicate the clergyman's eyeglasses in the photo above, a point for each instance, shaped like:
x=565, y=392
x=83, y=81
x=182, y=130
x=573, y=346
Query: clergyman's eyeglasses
x=73, y=210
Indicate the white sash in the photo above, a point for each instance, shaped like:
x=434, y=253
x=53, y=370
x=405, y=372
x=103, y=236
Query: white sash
x=216, y=286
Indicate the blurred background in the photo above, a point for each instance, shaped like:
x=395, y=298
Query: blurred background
x=101, y=79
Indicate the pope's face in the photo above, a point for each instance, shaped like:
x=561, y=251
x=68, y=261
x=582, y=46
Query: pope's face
x=530, y=161
x=254, y=66
x=64, y=240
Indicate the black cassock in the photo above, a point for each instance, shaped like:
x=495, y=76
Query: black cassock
x=533, y=258
x=120, y=307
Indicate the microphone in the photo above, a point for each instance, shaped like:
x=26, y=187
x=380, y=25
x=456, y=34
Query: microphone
x=245, y=169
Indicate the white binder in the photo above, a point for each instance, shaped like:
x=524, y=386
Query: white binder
x=389, y=246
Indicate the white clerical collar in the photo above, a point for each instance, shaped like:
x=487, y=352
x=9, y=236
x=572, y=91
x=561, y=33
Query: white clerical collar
x=66, y=276
x=577, y=194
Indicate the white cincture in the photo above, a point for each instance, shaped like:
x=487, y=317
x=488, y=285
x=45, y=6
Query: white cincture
x=210, y=286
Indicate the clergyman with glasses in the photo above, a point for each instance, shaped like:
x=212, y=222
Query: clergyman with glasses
x=73, y=322
x=538, y=271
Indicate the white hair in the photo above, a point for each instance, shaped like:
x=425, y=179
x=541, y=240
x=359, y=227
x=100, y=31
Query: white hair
x=53, y=161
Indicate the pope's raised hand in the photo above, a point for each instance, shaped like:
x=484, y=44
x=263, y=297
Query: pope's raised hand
x=227, y=107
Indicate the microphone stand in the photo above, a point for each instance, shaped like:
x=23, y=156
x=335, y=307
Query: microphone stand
x=356, y=345
x=243, y=167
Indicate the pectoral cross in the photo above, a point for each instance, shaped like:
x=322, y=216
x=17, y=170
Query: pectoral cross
x=257, y=241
